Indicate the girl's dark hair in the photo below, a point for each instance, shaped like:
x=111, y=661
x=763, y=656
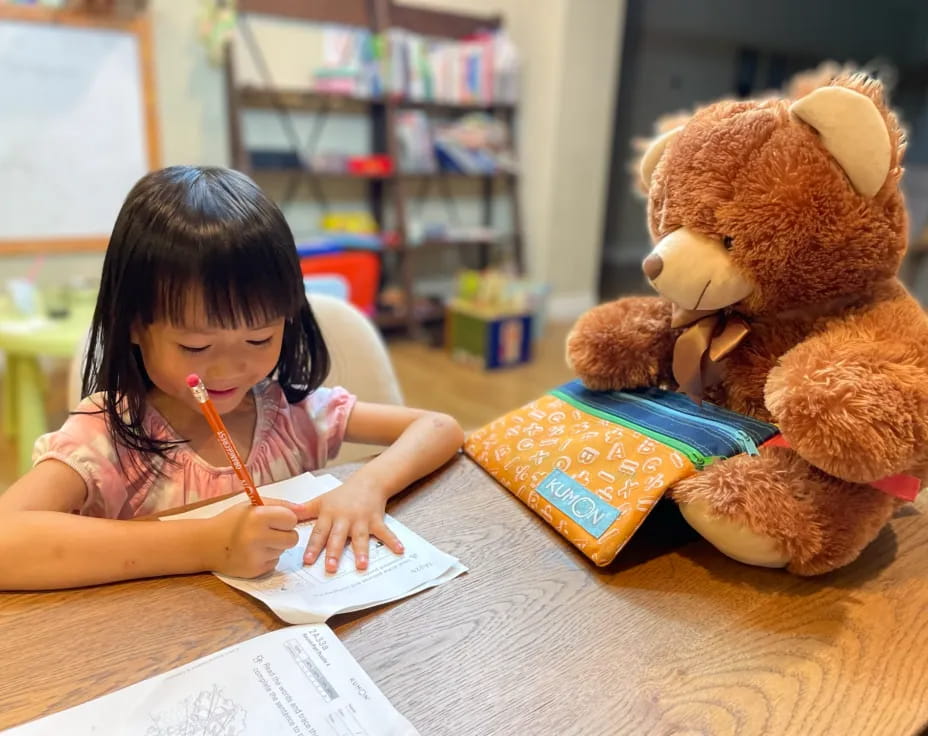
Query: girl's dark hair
x=186, y=229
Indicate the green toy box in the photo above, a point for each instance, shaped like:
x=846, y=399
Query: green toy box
x=488, y=340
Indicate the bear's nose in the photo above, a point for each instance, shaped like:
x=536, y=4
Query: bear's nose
x=652, y=266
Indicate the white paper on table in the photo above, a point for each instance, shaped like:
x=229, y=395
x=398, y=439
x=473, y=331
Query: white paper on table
x=298, y=680
x=303, y=594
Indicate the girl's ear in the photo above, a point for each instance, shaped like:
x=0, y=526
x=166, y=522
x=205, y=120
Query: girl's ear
x=134, y=333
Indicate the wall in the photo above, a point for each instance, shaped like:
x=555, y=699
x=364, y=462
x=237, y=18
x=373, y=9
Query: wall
x=827, y=28
x=580, y=149
x=666, y=75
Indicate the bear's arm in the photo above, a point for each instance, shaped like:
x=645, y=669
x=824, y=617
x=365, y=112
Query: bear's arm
x=853, y=400
x=623, y=344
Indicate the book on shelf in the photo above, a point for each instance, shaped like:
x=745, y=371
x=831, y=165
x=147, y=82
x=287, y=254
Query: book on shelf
x=482, y=69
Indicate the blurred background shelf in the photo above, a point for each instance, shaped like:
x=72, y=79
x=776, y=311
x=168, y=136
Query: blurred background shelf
x=311, y=100
x=392, y=196
x=264, y=160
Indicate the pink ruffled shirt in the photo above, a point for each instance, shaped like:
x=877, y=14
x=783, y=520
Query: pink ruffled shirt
x=289, y=439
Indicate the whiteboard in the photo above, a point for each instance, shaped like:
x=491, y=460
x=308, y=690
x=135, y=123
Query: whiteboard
x=72, y=128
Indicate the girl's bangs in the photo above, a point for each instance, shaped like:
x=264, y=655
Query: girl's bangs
x=220, y=275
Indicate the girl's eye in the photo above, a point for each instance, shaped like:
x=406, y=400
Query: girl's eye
x=265, y=341
x=191, y=349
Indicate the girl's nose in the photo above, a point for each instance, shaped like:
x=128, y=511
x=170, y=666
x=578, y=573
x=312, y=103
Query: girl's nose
x=226, y=368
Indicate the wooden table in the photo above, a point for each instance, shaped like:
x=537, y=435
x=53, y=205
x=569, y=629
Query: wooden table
x=534, y=640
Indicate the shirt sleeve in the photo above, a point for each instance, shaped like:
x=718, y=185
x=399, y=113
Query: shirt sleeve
x=84, y=445
x=328, y=410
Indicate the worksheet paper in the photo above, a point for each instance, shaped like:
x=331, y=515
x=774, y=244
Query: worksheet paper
x=303, y=594
x=298, y=680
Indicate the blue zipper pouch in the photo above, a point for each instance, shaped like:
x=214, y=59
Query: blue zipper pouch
x=704, y=433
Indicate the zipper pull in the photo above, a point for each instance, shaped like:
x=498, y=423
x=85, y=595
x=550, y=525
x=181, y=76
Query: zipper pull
x=747, y=443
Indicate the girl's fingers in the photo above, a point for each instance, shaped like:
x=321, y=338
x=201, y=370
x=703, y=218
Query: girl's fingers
x=336, y=545
x=360, y=545
x=383, y=533
x=317, y=539
x=280, y=541
x=308, y=510
x=303, y=511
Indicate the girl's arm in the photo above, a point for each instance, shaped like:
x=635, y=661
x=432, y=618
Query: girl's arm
x=419, y=442
x=43, y=545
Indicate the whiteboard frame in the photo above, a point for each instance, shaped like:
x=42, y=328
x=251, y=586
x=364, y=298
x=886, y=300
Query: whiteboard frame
x=140, y=27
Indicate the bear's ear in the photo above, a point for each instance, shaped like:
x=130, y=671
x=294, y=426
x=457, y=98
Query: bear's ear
x=653, y=155
x=853, y=131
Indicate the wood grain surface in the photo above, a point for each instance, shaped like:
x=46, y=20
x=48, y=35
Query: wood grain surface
x=672, y=639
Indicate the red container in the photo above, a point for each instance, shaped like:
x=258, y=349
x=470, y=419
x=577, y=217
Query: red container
x=360, y=268
x=374, y=165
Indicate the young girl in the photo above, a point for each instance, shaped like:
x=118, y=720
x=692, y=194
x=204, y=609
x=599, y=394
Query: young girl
x=201, y=276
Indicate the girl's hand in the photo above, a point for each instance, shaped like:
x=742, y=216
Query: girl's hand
x=355, y=509
x=248, y=540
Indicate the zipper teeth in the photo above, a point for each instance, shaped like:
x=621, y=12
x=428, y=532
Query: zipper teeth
x=704, y=452
x=741, y=439
x=747, y=440
x=695, y=456
x=743, y=422
x=687, y=421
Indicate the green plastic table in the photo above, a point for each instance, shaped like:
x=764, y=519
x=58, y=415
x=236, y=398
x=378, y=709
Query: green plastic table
x=24, y=340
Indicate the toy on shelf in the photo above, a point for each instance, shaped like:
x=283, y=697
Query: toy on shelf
x=347, y=250
x=325, y=163
x=215, y=27
x=491, y=320
x=360, y=223
x=419, y=232
x=475, y=144
x=414, y=141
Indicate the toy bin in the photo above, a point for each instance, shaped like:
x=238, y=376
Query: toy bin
x=360, y=268
x=488, y=341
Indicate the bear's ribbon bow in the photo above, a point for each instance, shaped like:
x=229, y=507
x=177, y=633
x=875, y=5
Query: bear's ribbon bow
x=708, y=337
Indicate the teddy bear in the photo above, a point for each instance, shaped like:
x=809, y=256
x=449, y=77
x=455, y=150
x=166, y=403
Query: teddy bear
x=779, y=227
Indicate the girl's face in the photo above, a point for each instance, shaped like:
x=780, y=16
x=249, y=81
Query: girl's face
x=229, y=360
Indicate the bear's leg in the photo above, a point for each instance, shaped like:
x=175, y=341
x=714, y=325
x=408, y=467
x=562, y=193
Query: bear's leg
x=775, y=510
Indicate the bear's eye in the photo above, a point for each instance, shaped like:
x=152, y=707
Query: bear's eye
x=728, y=242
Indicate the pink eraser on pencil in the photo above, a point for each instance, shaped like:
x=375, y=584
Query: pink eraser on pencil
x=192, y=380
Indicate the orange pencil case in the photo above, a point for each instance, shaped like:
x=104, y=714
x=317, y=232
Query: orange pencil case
x=593, y=464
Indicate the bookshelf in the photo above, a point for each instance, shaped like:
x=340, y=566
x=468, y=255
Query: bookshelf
x=383, y=191
x=254, y=97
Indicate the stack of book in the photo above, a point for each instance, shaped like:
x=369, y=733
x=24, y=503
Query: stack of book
x=482, y=69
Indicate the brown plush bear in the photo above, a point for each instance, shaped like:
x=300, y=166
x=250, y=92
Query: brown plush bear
x=779, y=227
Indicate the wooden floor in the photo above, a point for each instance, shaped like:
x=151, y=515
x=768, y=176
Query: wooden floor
x=429, y=379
